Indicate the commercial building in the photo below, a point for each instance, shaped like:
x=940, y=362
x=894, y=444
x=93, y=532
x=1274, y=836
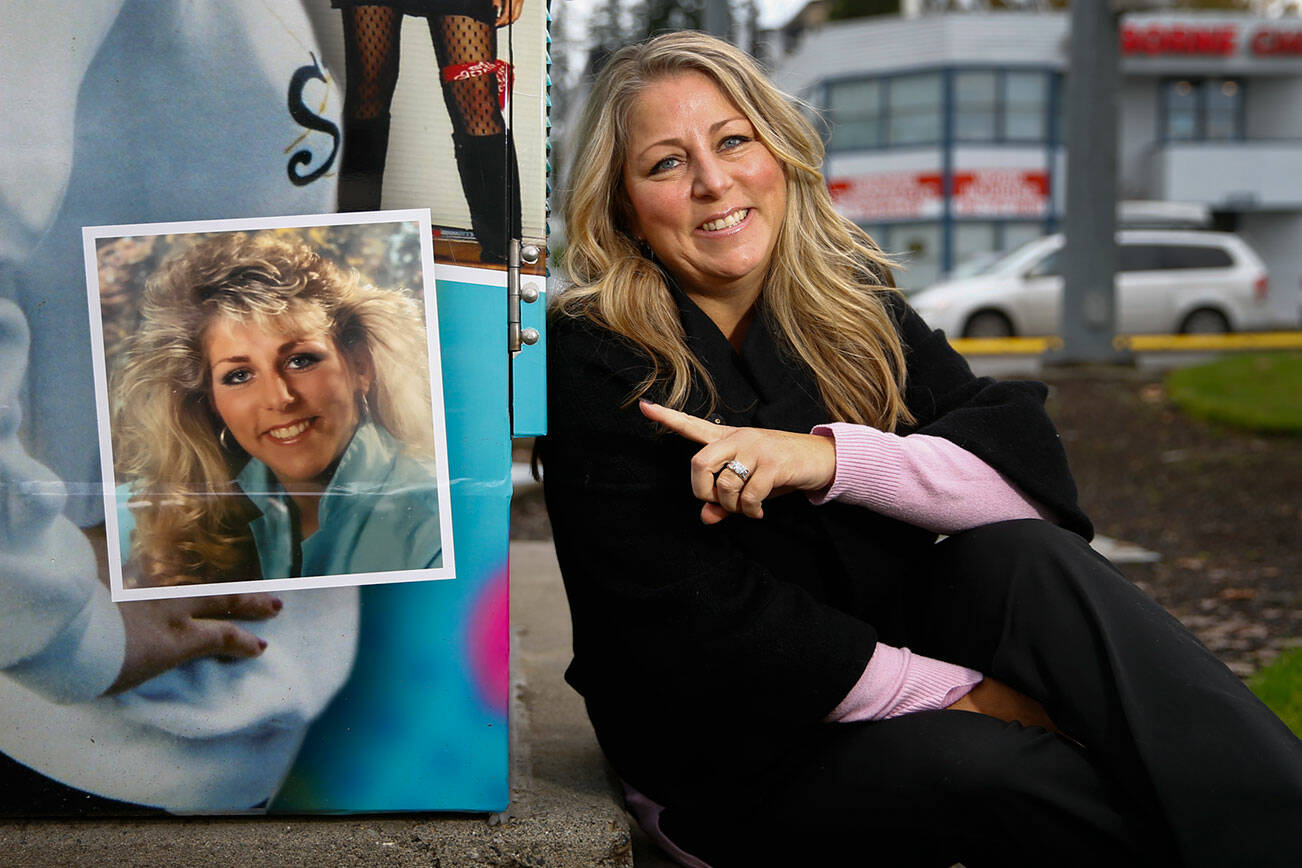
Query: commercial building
x=946, y=139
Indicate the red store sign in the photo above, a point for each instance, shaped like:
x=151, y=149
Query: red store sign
x=1219, y=40
x=1179, y=39
x=920, y=195
x=887, y=195
x=1269, y=41
x=1000, y=193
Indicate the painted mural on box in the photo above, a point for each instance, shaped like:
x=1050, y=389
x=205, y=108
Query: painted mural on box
x=440, y=96
x=379, y=691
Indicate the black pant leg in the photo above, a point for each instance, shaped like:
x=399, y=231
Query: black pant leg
x=1037, y=608
x=927, y=789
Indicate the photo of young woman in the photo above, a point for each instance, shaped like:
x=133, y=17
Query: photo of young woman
x=261, y=369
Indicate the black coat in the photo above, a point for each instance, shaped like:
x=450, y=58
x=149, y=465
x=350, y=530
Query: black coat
x=702, y=652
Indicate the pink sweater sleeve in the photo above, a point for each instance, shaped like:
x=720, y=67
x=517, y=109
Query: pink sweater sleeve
x=935, y=484
x=927, y=481
x=896, y=681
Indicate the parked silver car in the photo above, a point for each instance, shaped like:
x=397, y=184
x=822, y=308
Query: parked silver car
x=1170, y=281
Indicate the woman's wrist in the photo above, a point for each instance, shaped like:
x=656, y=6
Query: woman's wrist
x=825, y=463
x=866, y=466
x=896, y=681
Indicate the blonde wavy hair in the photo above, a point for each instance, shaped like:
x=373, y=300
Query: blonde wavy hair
x=191, y=525
x=823, y=295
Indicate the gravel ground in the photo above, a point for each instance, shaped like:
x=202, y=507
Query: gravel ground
x=1223, y=508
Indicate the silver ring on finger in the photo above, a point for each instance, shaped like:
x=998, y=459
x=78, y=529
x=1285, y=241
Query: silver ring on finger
x=740, y=469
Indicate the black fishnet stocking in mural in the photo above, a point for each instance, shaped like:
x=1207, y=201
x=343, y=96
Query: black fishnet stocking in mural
x=472, y=102
x=371, y=35
x=485, y=154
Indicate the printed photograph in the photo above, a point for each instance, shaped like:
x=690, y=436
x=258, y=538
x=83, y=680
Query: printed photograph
x=270, y=404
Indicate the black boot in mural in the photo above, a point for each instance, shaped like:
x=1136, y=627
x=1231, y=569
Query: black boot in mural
x=361, y=170
x=490, y=179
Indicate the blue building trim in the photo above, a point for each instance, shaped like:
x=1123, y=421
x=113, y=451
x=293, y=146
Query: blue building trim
x=947, y=172
x=1051, y=151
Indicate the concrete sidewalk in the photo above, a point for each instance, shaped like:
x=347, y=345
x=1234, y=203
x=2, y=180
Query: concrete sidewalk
x=565, y=810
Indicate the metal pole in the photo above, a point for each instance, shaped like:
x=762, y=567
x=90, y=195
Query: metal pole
x=717, y=18
x=1090, y=256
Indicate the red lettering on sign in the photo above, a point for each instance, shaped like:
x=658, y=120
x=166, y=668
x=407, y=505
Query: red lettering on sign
x=932, y=183
x=888, y=195
x=1271, y=43
x=1178, y=39
x=1000, y=192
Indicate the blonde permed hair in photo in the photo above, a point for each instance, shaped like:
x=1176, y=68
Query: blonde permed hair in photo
x=823, y=295
x=191, y=522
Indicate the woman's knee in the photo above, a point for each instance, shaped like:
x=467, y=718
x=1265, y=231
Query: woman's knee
x=1027, y=537
x=1013, y=557
x=1021, y=585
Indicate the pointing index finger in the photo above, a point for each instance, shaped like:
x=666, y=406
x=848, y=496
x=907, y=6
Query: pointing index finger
x=691, y=427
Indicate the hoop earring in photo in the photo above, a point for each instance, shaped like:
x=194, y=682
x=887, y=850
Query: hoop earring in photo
x=223, y=441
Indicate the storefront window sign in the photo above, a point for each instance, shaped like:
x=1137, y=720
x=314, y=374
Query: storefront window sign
x=913, y=195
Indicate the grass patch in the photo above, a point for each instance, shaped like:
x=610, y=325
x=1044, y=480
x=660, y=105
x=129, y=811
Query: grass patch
x=1258, y=391
x=1279, y=685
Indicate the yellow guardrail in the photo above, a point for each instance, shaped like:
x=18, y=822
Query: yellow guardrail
x=1243, y=341
x=1005, y=346
x=1135, y=343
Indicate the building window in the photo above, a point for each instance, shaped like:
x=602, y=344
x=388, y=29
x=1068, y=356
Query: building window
x=913, y=104
x=975, y=245
x=1202, y=109
x=1223, y=103
x=855, y=108
x=1015, y=233
x=988, y=105
x=915, y=246
x=875, y=112
x=1026, y=106
x=976, y=106
x=1001, y=106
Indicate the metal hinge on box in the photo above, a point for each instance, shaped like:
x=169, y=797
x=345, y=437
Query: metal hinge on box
x=517, y=337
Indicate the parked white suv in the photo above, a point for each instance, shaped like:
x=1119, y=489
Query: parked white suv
x=1170, y=281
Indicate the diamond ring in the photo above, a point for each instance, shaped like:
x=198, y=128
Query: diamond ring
x=740, y=469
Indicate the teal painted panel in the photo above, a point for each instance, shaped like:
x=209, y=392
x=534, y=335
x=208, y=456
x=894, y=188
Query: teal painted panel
x=422, y=722
x=529, y=371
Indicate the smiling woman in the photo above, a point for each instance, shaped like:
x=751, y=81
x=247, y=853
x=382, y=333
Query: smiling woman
x=290, y=400
x=262, y=371
x=705, y=193
x=780, y=660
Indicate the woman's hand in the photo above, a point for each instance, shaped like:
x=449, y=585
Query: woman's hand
x=779, y=462
x=164, y=634
x=997, y=699
x=507, y=11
